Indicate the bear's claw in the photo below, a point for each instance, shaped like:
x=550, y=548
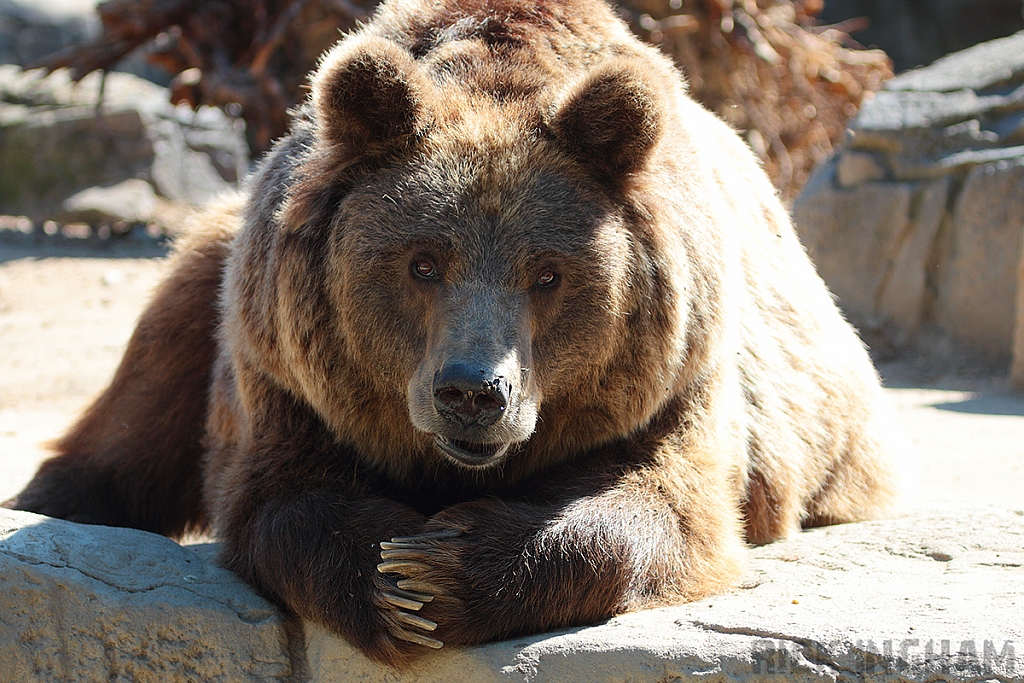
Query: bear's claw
x=410, y=556
x=423, y=540
x=415, y=620
x=415, y=585
x=413, y=595
x=404, y=554
x=410, y=637
x=402, y=602
x=397, y=601
x=401, y=566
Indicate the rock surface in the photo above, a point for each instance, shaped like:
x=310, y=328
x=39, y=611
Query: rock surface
x=98, y=603
x=131, y=200
x=58, y=138
x=933, y=595
x=919, y=219
x=978, y=278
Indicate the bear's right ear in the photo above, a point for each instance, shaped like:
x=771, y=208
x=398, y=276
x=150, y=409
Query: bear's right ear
x=370, y=96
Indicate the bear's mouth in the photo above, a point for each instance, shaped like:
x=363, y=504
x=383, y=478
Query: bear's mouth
x=469, y=452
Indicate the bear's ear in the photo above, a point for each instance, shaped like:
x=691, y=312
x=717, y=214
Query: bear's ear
x=610, y=120
x=370, y=96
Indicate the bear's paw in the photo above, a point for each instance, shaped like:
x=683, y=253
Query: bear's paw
x=416, y=559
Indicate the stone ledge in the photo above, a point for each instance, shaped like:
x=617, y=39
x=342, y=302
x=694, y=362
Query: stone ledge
x=933, y=595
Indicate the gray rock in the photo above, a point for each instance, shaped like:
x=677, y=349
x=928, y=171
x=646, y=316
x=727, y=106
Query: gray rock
x=87, y=603
x=904, y=292
x=980, y=67
x=33, y=29
x=852, y=247
x=950, y=135
x=946, y=118
x=130, y=201
x=855, y=168
x=181, y=173
x=55, y=153
x=56, y=90
x=958, y=161
x=913, y=33
x=933, y=595
x=57, y=139
x=1017, y=355
x=872, y=243
x=977, y=296
x=893, y=111
x=1010, y=128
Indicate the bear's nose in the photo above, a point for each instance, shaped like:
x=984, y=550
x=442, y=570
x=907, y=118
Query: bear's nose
x=471, y=394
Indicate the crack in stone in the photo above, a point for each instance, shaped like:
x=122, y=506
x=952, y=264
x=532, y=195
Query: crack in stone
x=812, y=651
x=294, y=632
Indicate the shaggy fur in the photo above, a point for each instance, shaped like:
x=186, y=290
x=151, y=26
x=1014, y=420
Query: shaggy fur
x=509, y=335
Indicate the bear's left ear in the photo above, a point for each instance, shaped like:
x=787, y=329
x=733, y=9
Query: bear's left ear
x=370, y=95
x=610, y=120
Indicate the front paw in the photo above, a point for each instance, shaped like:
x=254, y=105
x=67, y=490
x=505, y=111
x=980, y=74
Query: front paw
x=415, y=569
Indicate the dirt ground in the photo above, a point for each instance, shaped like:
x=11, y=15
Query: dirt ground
x=67, y=308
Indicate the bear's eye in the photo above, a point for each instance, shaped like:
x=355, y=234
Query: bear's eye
x=424, y=268
x=547, y=279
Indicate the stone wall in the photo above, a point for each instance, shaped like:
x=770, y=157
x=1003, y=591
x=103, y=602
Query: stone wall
x=118, y=140
x=919, y=219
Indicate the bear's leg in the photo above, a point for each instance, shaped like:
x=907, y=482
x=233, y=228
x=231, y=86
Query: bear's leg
x=367, y=568
x=301, y=519
x=316, y=556
x=133, y=458
x=653, y=520
x=627, y=537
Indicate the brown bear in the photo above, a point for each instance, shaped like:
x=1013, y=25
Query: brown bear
x=508, y=334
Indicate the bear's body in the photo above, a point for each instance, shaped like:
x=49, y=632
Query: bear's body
x=505, y=291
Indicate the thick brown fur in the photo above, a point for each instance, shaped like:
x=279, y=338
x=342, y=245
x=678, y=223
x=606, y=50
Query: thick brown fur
x=504, y=291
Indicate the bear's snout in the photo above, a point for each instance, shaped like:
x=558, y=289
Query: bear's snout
x=471, y=401
x=473, y=391
x=469, y=395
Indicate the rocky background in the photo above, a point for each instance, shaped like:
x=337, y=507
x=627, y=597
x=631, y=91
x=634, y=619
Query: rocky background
x=766, y=67
x=108, y=155
x=30, y=32
x=109, y=151
x=916, y=224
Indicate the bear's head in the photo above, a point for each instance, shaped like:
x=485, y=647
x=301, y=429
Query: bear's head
x=467, y=275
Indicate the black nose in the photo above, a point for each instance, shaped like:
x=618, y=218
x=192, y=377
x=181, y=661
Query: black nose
x=470, y=394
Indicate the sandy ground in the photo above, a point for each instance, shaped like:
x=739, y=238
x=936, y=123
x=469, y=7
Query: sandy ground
x=67, y=309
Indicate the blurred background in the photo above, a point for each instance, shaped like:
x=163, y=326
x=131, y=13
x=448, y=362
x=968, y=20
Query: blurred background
x=894, y=129
x=787, y=73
